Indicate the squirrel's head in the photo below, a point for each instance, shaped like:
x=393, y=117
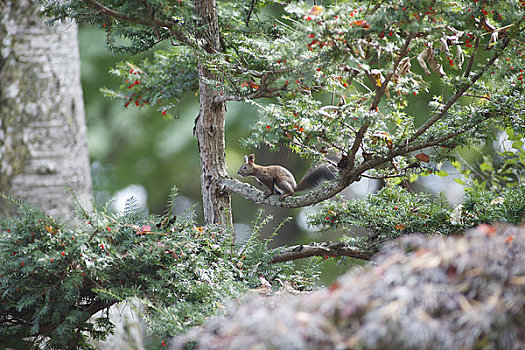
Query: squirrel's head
x=247, y=168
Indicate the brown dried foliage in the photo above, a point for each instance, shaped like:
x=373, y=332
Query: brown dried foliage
x=441, y=293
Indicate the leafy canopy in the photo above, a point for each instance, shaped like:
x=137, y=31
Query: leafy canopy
x=388, y=88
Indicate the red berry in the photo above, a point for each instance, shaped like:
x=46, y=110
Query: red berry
x=63, y=253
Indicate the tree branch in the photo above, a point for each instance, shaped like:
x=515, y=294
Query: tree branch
x=264, y=90
x=452, y=100
x=357, y=142
x=375, y=103
x=150, y=22
x=472, y=58
x=384, y=85
x=321, y=249
x=250, y=11
x=255, y=195
x=332, y=188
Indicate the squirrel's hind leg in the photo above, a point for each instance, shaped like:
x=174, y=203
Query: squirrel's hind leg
x=284, y=188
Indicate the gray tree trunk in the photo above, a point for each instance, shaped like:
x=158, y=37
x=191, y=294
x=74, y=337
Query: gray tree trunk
x=209, y=126
x=43, y=148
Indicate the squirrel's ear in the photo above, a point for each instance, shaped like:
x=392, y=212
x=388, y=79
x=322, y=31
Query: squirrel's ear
x=251, y=158
x=245, y=159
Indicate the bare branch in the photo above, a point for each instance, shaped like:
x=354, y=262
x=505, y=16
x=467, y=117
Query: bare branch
x=332, y=249
x=377, y=98
x=251, y=193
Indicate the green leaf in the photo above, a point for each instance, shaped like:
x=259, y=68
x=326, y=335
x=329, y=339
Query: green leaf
x=517, y=144
x=486, y=166
x=442, y=173
x=460, y=181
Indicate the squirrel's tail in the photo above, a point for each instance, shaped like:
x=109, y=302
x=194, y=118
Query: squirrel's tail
x=315, y=176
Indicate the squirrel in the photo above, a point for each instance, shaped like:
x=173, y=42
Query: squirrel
x=280, y=180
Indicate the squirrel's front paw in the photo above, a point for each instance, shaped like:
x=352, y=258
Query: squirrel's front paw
x=267, y=193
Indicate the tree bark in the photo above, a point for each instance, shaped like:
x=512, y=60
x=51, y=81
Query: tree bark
x=43, y=148
x=209, y=125
x=331, y=249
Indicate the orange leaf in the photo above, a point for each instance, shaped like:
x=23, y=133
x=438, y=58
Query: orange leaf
x=316, y=10
x=360, y=23
x=253, y=85
x=400, y=227
x=422, y=157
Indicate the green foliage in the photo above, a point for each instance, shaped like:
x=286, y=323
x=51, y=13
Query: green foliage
x=394, y=211
x=495, y=169
x=54, y=278
x=342, y=77
x=160, y=82
x=332, y=63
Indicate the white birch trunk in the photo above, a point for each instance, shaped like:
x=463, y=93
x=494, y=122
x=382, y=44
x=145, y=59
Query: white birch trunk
x=42, y=125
